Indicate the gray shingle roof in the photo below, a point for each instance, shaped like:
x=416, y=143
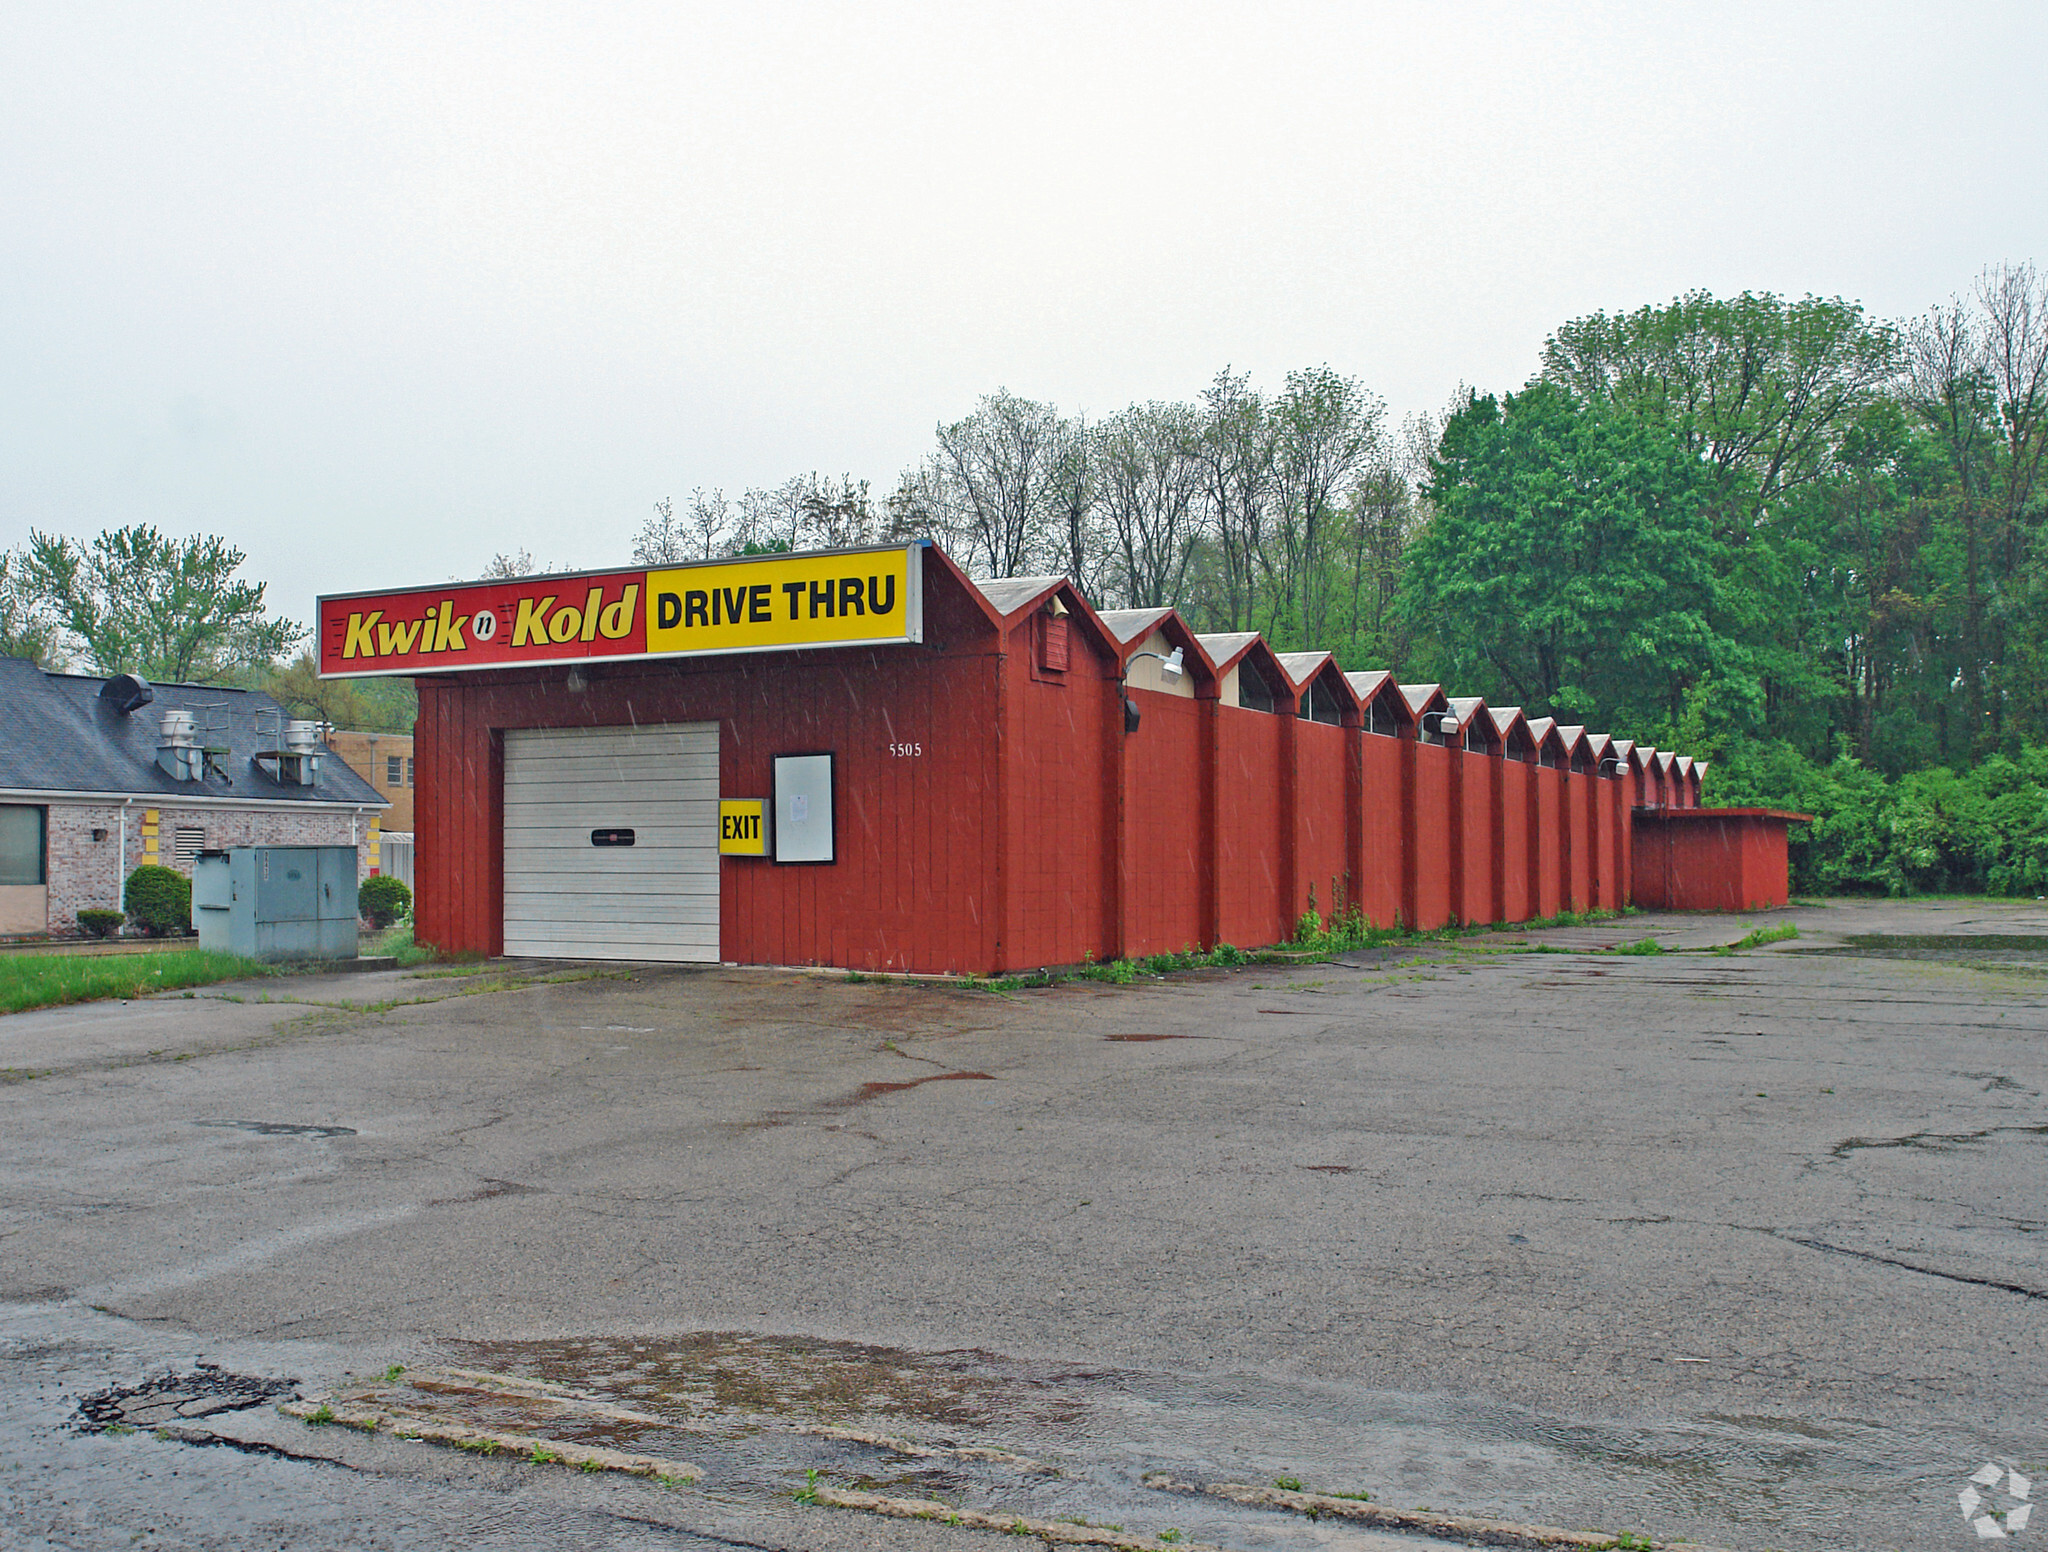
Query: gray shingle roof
x=57, y=735
x=1127, y=625
x=1009, y=594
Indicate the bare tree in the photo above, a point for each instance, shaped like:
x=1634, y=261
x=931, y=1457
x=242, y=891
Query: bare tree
x=1326, y=427
x=1001, y=463
x=2013, y=302
x=1150, y=480
x=1235, y=455
x=1946, y=384
x=837, y=514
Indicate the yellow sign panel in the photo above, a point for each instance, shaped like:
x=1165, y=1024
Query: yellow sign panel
x=743, y=827
x=763, y=602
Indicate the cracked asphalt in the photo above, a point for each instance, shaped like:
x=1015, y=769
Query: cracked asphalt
x=1751, y=1248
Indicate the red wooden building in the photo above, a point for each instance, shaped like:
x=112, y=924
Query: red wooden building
x=868, y=759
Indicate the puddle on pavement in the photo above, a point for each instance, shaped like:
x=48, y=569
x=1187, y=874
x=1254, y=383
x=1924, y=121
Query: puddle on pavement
x=281, y=1128
x=757, y=1412
x=2004, y=951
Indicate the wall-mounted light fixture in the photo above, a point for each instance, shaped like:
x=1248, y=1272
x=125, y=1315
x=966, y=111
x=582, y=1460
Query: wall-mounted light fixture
x=1612, y=767
x=1170, y=667
x=1442, y=723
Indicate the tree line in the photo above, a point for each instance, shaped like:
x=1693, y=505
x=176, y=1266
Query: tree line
x=1800, y=541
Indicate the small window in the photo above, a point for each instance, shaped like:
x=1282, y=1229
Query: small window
x=187, y=842
x=1253, y=691
x=1319, y=703
x=408, y=770
x=394, y=770
x=21, y=843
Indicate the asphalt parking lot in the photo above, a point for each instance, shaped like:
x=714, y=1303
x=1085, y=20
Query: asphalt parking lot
x=1745, y=1247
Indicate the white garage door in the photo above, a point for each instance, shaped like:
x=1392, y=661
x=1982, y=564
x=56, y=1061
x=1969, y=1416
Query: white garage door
x=611, y=842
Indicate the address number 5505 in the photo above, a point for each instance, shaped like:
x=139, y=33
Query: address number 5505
x=906, y=751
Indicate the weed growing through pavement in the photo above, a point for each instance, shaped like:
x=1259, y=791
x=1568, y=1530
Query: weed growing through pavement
x=808, y=1493
x=320, y=1416
x=1170, y=1536
x=1757, y=937
x=1641, y=946
x=1288, y=1484
x=591, y=1465
x=543, y=1456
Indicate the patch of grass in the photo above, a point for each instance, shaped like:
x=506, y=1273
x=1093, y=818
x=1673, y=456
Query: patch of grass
x=808, y=1493
x=393, y=1372
x=396, y=942
x=1640, y=946
x=542, y=1456
x=117, y=1429
x=1757, y=937
x=484, y=1447
x=53, y=980
x=1170, y=1535
x=1288, y=1484
x=320, y=1416
x=1354, y=1497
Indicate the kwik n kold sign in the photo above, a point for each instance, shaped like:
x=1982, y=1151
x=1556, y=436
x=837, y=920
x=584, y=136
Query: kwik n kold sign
x=771, y=603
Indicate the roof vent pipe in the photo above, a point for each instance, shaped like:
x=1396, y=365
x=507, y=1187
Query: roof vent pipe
x=127, y=692
x=178, y=754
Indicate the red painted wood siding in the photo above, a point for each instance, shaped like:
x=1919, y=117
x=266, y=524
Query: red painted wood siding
x=1163, y=822
x=1385, y=823
x=1549, y=848
x=1515, y=793
x=1432, y=830
x=1249, y=824
x=1321, y=820
x=1737, y=862
x=1477, y=851
x=1059, y=851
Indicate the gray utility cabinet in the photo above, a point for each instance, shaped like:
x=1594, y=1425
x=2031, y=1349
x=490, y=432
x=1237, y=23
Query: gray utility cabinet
x=277, y=902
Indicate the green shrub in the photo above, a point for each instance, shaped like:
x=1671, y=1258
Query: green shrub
x=1980, y=831
x=159, y=900
x=100, y=923
x=383, y=901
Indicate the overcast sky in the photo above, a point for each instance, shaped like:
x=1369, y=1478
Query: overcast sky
x=380, y=290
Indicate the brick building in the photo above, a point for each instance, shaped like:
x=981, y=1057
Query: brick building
x=100, y=776
x=384, y=760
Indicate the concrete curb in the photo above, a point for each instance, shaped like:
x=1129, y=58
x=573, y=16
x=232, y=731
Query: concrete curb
x=1451, y=1527
x=1056, y=1531
x=405, y=1425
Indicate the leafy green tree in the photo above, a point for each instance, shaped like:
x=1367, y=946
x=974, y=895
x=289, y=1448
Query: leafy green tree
x=1571, y=565
x=27, y=628
x=363, y=705
x=138, y=601
x=1753, y=382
